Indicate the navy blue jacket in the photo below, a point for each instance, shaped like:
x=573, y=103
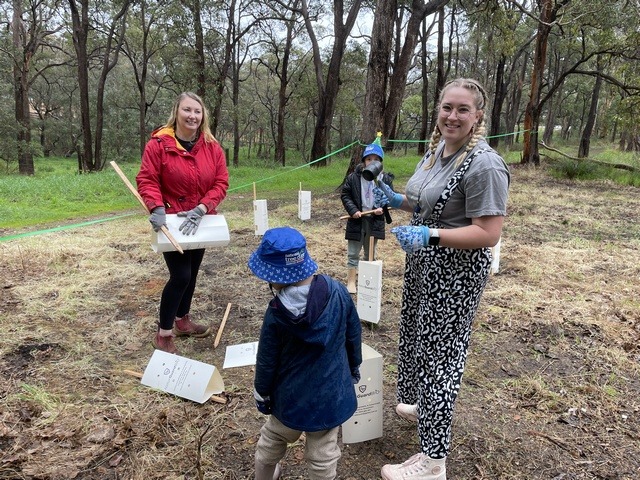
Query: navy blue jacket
x=304, y=363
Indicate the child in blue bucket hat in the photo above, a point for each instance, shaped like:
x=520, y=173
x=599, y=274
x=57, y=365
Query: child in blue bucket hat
x=308, y=360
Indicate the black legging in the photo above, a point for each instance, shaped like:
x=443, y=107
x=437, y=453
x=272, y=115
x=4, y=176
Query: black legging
x=178, y=292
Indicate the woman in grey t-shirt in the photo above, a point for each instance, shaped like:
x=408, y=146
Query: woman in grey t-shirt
x=458, y=196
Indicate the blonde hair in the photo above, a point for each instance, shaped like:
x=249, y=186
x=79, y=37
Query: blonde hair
x=204, y=125
x=479, y=129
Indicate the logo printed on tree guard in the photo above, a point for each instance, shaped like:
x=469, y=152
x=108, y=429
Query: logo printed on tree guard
x=294, y=258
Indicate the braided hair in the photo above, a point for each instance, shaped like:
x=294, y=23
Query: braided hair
x=478, y=130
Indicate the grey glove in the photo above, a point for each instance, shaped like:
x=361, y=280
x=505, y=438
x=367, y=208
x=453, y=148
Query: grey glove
x=192, y=221
x=158, y=218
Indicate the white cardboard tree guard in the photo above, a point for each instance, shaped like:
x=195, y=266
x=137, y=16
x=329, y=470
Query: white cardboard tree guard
x=181, y=376
x=495, y=257
x=369, y=288
x=260, y=216
x=212, y=232
x=304, y=204
x=366, y=423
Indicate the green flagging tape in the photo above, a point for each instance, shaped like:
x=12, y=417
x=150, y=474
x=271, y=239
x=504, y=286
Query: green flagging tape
x=77, y=225
x=490, y=136
x=293, y=169
x=65, y=227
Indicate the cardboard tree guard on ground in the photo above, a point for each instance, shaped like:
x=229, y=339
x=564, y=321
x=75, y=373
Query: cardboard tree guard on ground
x=181, y=376
x=366, y=423
x=369, y=290
x=212, y=232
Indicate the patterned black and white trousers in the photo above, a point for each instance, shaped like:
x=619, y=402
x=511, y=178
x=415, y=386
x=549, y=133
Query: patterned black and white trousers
x=440, y=298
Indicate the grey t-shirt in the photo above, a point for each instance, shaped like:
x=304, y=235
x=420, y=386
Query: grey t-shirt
x=483, y=190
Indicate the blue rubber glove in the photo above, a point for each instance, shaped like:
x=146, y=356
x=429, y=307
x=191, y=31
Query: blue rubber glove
x=379, y=198
x=263, y=404
x=194, y=217
x=411, y=238
x=158, y=218
x=395, y=199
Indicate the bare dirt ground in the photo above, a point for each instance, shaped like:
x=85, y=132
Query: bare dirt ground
x=551, y=390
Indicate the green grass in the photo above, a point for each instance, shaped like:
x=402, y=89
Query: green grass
x=57, y=193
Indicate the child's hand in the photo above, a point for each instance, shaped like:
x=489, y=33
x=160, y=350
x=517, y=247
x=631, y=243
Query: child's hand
x=263, y=403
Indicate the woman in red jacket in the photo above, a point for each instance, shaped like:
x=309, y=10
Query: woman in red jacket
x=183, y=171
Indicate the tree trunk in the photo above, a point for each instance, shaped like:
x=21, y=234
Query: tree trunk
x=424, y=107
x=419, y=11
x=583, y=150
x=108, y=63
x=21, y=93
x=328, y=92
x=530, y=153
x=80, y=34
x=498, y=101
x=280, y=151
x=220, y=82
x=441, y=74
x=377, y=76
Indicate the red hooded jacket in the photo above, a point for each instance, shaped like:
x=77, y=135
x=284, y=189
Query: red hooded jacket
x=170, y=176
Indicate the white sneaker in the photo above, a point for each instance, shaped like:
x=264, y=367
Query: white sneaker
x=418, y=467
x=408, y=412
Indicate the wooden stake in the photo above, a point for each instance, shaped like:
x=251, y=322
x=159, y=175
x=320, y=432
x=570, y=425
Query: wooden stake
x=133, y=190
x=366, y=212
x=224, y=320
x=254, y=191
x=371, y=247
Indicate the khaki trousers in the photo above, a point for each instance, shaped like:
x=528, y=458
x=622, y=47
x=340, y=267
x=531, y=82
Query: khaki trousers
x=321, y=450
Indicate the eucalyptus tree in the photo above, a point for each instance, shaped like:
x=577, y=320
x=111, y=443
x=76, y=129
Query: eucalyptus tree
x=350, y=103
x=97, y=32
x=145, y=39
x=195, y=8
x=51, y=97
x=502, y=36
x=328, y=78
x=591, y=35
x=384, y=94
x=34, y=25
x=227, y=48
x=277, y=40
x=547, y=17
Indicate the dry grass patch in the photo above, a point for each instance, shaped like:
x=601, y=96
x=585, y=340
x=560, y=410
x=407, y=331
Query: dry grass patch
x=551, y=389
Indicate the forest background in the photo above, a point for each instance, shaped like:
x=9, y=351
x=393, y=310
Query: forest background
x=551, y=388
x=290, y=80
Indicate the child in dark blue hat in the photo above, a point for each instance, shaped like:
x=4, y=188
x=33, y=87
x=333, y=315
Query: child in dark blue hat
x=308, y=358
x=361, y=195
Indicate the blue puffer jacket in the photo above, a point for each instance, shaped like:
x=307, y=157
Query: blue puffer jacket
x=304, y=363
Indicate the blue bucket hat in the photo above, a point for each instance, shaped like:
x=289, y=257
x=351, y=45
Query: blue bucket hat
x=282, y=257
x=373, y=149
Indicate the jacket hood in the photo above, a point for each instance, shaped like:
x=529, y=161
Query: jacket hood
x=309, y=326
x=162, y=131
x=167, y=135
